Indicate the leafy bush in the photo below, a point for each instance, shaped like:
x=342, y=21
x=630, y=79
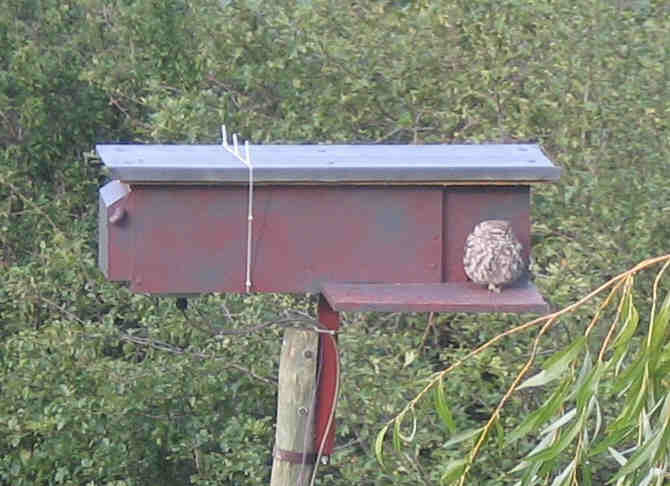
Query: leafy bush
x=606, y=402
x=98, y=386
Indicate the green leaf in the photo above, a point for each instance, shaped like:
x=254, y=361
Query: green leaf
x=664, y=418
x=500, y=434
x=541, y=415
x=620, y=343
x=599, y=417
x=442, y=408
x=61, y=474
x=410, y=357
x=631, y=379
x=555, y=366
x=653, y=474
x=454, y=470
x=589, y=388
x=583, y=376
x=635, y=400
x=397, y=445
x=25, y=455
x=563, y=442
x=546, y=442
x=398, y=436
x=379, y=445
x=612, y=438
x=587, y=473
x=618, y=456
x=659, y=329
x=542, y=378
x=642, y=455
x=463, y=436
x=664, y=313
x=566, y=474
x=564, y=419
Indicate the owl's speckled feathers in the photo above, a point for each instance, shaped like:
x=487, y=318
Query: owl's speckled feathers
x=493, y=255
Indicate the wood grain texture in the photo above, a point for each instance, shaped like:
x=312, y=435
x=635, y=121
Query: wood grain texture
x=295, y=417
x=446, y=297
x=182, y=240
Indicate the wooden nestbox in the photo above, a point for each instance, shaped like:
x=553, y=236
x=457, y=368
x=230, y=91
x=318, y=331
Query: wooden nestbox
x=372, y=227
x=369, y=227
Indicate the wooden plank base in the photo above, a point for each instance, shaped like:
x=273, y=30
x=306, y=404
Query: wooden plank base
x=439, y=297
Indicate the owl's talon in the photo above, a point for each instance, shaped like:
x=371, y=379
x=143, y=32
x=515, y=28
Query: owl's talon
x=494, y=288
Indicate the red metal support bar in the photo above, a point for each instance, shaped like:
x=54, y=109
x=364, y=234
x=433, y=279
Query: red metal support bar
x=327, y=385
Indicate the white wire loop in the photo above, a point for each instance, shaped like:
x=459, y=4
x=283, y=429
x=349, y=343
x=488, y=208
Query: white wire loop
x=246, y=160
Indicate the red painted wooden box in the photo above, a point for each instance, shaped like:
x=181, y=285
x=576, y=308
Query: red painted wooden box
x=372, y=227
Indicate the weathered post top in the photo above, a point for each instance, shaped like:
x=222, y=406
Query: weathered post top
x=372, y=227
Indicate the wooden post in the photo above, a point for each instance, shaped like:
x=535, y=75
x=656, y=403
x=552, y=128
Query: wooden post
x=294, y=453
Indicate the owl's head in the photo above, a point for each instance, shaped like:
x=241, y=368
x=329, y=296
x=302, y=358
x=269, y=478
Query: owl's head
x=494, y=227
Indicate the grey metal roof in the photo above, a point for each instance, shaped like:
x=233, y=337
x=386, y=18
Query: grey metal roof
x=343, y=164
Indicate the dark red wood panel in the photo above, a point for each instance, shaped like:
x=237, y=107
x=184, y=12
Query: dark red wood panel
x=188, y=239
x=193, y=239
x=307, y=235
x=464, y=207
x=445, y=297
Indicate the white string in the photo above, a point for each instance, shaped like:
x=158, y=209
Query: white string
x=246, y=160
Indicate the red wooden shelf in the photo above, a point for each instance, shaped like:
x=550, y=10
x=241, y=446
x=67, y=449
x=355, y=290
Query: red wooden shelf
x=432, y=297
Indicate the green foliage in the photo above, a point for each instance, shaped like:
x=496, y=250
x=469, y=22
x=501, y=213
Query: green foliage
x=83, y=400
x=607, y=406
x=99, y=386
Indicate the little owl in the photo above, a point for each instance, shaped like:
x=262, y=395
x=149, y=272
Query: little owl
x=493, y=255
